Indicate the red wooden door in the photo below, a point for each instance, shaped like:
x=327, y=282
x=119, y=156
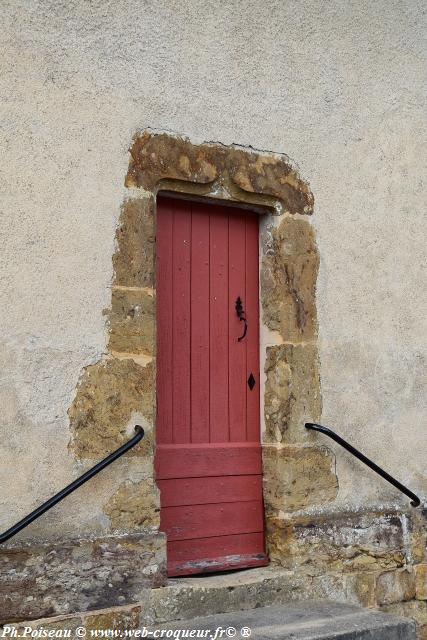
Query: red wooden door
x=208, y=453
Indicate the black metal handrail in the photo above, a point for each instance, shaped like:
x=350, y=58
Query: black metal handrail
x=73, y=486
x=415, y=501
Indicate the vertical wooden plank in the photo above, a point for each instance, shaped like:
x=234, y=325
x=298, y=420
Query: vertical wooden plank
x=218, y=312
x=252, y=297
x=199, y=324
x=237, y=350
x=164, y=234
x=181, y=321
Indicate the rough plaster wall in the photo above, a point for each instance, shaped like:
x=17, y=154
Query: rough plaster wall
x=338, y=86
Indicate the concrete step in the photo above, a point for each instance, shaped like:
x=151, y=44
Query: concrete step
x=308, y=620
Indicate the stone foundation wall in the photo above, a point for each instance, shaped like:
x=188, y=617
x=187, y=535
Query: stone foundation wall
x=371, y=559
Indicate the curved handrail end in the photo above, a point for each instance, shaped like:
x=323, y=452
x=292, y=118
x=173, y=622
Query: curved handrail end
x=415, y=500
x=140, y=431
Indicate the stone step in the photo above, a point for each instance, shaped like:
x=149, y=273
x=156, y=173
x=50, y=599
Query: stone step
x=185, y=598
x=309, y=620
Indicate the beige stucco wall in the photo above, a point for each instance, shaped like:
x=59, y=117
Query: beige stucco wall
x=338, y=86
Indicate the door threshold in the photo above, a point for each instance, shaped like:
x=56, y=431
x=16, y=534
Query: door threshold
x=229, y=579
x=226, y=564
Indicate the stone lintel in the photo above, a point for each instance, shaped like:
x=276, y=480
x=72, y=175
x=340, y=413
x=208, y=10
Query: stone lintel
x=159, y=157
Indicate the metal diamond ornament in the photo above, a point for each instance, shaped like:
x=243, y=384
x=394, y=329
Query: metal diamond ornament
x=251, y=381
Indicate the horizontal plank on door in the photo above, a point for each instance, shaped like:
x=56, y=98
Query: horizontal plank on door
x=208, y=520
x=211, y=548
x=226, y=563
x=209, y=490
x=199, y=460
x=216, y=553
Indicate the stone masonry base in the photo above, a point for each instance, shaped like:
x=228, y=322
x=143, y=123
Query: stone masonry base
x=187, y=598
x=78, y=575
x=372, y=559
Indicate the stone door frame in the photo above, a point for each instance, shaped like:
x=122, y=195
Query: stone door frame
x=290, y=385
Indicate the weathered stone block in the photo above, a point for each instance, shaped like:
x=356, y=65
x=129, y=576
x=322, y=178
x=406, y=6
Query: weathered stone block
x=135, y=237
x=296, y=477
x=107, y=396
x=352, y=588
x=132, y=320
x=118, y=619
x=288, y=280
x=337, y=542
x=79, y=575
x=292, y=392
x=395, y=586
x=243, y=590
x=135, y=505
x=57, y=623
x=417, y=527
x=269, y=175
x=160, y=157
x=360, y=588
x=421, y=581
x=126, y=617
x=414, y=609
